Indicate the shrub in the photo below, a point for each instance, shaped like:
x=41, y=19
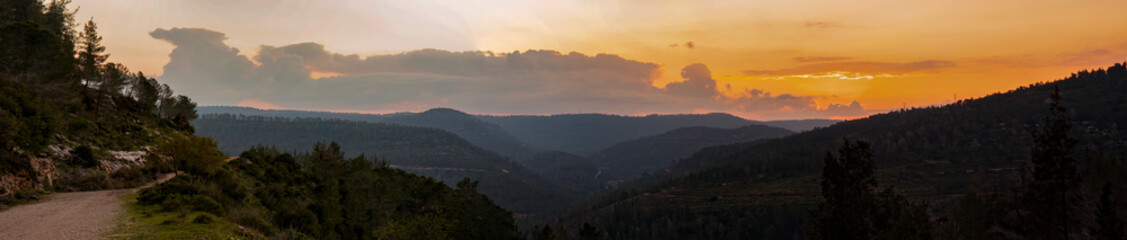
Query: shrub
x=252, y=218
x=206, y=204
x=84, y=156
x=204, y=219
x=192, y=154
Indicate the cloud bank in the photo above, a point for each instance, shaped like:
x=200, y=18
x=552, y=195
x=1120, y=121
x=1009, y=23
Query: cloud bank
x=528, y=82
x=857, y=67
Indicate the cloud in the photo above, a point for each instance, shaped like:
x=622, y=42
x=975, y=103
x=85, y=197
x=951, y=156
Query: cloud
x=200, y=55
x=519, y=82
x=858, y=67
x=853, y=109
x=821, y=25
x=689, y=45
x=698, y=82
x=820, y=59
x=700, y=89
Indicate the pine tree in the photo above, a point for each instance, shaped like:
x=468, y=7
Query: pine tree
x=847, y=187
x=1110, y=226
x=589, y=232
x=853, y=210
x=91, y=56
x=1054, y=170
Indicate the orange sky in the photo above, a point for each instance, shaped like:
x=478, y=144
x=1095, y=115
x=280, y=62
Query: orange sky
x=884, y=54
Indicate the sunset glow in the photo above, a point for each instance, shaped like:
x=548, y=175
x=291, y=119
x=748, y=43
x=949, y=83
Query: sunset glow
x=768, y=59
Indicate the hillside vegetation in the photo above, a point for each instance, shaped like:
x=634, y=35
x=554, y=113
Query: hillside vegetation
x=978, y=146
x=515, y=136
x=425, y=151
x=628, y=160
x=70, y=119
x=323, y=195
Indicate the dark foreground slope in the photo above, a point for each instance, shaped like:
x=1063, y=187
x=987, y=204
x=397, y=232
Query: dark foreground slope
x=428, y=152
x=628, y=160
x=763, y=190
x=323, y=195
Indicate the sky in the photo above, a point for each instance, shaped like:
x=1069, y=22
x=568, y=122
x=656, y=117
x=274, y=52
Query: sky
x=764, y=60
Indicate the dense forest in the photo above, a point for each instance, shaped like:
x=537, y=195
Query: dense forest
x=578, y=134
x=66, y=112
x=628, y=160
x=321, y=194
x=482, y=134
x=425, y=151
x=72, y=120
x=981, y=146
x=586, y=134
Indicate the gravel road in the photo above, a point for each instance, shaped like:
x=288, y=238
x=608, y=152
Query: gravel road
x=72, y=215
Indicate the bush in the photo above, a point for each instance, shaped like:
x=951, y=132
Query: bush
x=192, y=154
x=131, y=176
x=206, y=204
x=85, y=179
x=204, y=219
x=252, y=218
x=84, y=156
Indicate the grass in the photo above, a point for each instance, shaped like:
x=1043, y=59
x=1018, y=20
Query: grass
x=148, y=222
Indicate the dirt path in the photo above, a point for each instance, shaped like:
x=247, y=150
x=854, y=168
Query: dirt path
x=73, y=215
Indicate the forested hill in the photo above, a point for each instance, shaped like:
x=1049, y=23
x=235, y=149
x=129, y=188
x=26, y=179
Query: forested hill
x=585, y=134
x=321, y=194
x=424, y=151
x=579, y=134
x=628, y=160
x=976, y=145
x=482, y=134
x=70, y=119
x=991, y=131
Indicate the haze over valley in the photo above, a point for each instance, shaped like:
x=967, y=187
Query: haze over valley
x=543, y=120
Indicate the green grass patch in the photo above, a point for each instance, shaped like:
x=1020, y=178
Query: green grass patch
x=149, y=222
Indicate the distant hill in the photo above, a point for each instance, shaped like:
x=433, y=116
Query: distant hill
x=800, y=125
x=517, y=136
x=366, y=117
x=628, y=160
x=586, y=134
x=927, y=153
x=567, y=170
x=483, y=134
x=424, y=151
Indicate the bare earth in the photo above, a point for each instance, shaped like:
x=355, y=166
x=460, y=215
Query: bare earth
x=73, y=215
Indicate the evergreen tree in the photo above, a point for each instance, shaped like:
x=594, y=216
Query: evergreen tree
x=544, y=233
x=114, y=79
x=1110, y=226
x=91, y=56
x=1054, y=171
x=847, y=188
x=589, y=232
x=852, y=210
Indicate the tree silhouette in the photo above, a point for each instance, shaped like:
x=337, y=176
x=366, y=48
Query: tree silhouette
x=852, y=210
x=1054, y=168
x=1110, y=226
x=847, y=187
x=91, y=56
